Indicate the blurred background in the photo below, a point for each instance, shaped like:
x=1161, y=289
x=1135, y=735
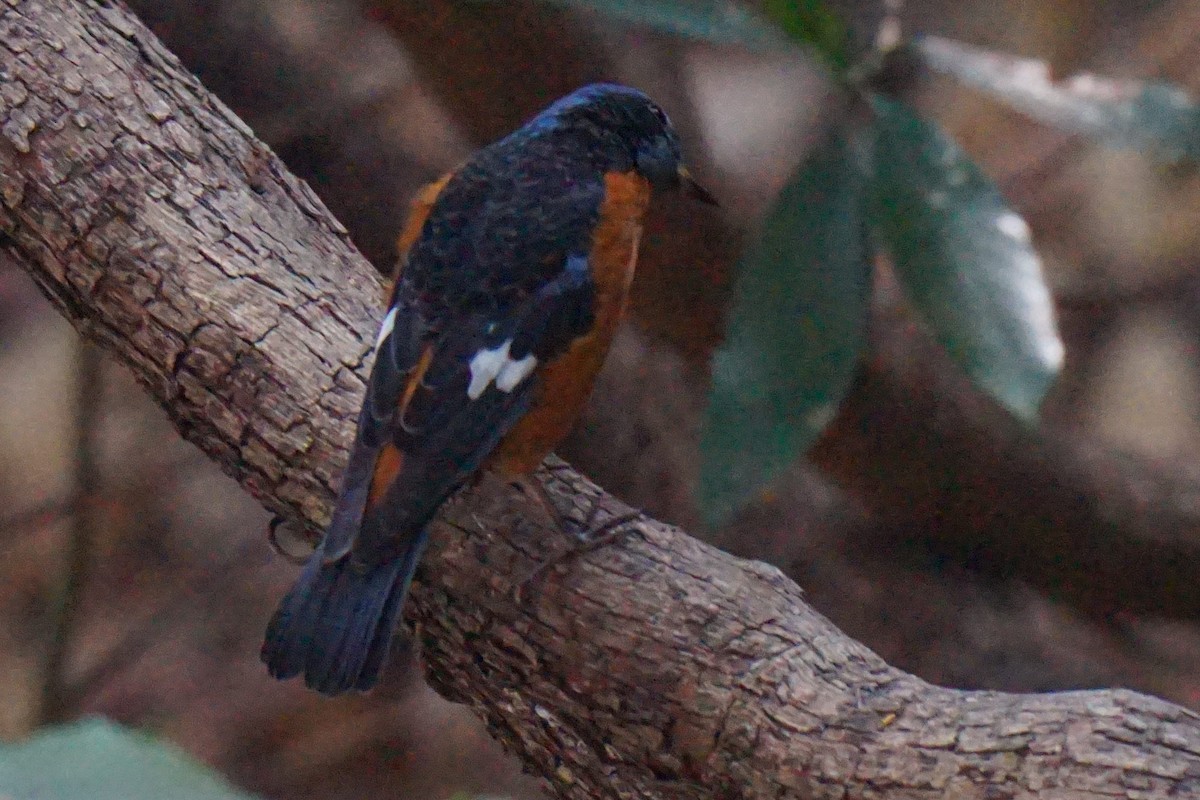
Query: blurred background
x=138, y=578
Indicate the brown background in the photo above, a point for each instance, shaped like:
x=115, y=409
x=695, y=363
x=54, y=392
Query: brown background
x=366, y=102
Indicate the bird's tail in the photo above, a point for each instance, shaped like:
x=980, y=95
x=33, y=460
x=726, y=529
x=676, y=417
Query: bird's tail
x=336, y=623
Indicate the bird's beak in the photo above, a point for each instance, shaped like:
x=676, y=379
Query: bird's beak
x=690, y=188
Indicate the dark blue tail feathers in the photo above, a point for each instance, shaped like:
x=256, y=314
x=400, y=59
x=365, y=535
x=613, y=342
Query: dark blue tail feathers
x=336, y=624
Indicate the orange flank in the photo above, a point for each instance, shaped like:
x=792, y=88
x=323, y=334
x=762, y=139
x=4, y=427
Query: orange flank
x=419, y=210
x=387, y=466
x=414, y=381
x=391, y=460
x=566, y=382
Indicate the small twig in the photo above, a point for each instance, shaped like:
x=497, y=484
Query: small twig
x=48, y=512
x=80, y=545
x=39, y=515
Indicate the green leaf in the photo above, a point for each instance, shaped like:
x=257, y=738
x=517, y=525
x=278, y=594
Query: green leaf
x=965, y=259
x=97, y=760
x=810, y=22
x=796, y=331
x=719, y=21
x=1152, y=116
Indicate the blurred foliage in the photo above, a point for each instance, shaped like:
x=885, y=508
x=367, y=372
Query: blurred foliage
x=795, y=331
x=965, y=259
x=806, y=22
x=1152, y=116
x=811, y=22
x=717, y=21
x=962, y=255
x=98, y=760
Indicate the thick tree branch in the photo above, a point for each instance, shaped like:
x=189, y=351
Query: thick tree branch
x=888, y=583
x=654, y=666
x=1106, y=533
x=938, y=463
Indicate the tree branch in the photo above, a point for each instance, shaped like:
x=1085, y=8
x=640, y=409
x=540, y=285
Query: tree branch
x=911, y=428
x=652, y=667
x=1106, y=533
x=647, y=406
x=81, y=543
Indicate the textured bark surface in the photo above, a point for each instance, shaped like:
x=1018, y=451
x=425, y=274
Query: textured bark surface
x=165, y=230
x=649, y=666
x=883, y=577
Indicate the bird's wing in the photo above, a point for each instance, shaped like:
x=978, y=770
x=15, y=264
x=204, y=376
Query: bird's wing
x=441, y=396
x=402, y=359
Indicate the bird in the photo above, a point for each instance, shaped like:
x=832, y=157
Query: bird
x=512, y=276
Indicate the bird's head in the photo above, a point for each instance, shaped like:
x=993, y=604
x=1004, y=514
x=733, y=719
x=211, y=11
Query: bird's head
x=632, y=130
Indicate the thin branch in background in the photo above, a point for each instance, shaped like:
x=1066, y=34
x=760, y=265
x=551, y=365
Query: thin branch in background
x=81, y=544
x=52, y=511
x=38, y=516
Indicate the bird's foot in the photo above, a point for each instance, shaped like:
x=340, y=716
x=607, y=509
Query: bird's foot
x=288, y=540
x=591, y=537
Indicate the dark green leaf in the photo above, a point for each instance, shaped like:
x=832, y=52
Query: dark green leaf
x=1155, y=117
x=718, y=21
x=796, y=331
x=810, y=22
x=965, y=259
x=96, y=760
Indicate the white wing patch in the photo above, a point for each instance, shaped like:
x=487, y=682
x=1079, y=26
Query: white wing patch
x=513, y=372
x=385, y=329
x=496, y=365
x=485, y=366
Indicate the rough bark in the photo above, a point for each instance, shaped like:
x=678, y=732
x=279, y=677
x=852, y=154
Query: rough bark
x=942, y=466
x=331, y=93
x=651, y=666
x=886, y=581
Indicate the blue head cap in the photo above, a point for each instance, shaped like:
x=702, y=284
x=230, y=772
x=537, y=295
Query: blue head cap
x=591, y=95
x=629, y=124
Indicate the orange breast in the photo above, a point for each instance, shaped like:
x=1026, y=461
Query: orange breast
x=565, y=383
